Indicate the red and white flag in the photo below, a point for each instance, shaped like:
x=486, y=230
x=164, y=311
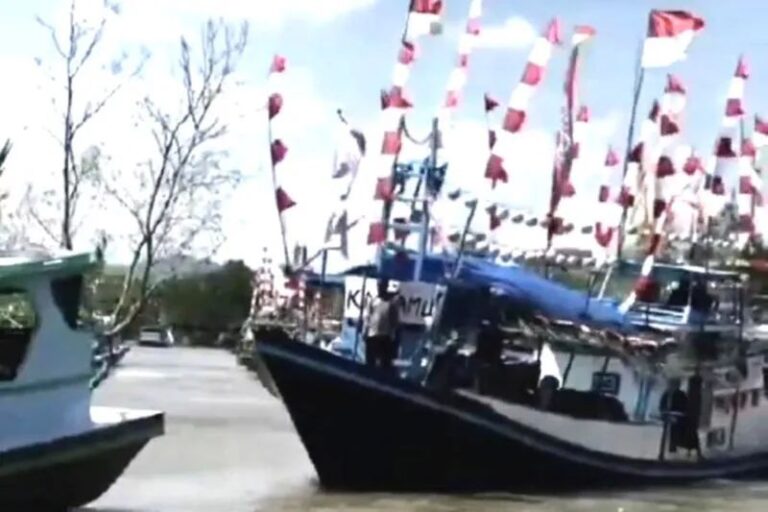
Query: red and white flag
x=670, y=33
x=423, y=19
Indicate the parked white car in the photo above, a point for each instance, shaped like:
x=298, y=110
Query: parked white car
x=156, y=336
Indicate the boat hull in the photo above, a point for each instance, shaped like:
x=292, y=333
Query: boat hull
x=368, y=431
x=73, y=471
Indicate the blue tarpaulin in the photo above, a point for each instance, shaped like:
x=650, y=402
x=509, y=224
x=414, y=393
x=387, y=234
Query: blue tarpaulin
x=517, y=283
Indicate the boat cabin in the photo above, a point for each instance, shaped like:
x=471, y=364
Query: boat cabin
x=539, y=350
x=45, y=357
x=686, y=297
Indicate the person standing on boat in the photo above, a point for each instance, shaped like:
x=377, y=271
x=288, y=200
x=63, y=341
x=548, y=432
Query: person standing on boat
x=382, y=322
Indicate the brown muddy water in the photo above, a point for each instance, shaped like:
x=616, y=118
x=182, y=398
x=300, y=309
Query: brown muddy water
x=230, y=447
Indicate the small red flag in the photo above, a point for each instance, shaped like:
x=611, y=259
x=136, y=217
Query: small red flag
x=490, y=103
x=278, y=64
x=278, y=151
x=377, y=233
x=283, y=200
x=274, y=105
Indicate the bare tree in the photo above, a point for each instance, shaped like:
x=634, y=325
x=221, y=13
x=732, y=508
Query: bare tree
x=77, y=49
x=175, y=202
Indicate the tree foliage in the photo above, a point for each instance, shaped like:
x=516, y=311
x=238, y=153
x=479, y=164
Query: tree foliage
x=213, y=302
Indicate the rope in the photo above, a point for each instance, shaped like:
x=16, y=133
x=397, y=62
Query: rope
x=418, y=142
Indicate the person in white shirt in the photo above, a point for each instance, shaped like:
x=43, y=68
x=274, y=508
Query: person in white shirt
x=381, y=326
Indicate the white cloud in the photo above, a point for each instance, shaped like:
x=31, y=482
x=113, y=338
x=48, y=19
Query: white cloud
x=516, y=32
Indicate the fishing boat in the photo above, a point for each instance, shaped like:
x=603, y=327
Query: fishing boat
x=57, y=450
x=516, y=381
x=578, y=392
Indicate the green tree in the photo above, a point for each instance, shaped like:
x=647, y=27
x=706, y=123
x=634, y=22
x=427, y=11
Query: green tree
x=212, y=302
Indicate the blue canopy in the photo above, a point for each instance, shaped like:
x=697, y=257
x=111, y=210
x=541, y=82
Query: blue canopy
x=517, y=283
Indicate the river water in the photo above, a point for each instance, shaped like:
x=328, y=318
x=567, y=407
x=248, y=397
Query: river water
x=229, y=446
x=711, y=496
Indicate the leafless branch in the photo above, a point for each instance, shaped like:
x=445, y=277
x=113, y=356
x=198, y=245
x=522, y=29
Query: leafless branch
x=77, y=47
x=178, y=202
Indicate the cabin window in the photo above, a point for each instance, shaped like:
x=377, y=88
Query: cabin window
x=67, y=292
x=17, y=324
x=607, y=383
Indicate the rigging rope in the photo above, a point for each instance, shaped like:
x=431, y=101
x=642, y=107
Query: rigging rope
x=412, y=138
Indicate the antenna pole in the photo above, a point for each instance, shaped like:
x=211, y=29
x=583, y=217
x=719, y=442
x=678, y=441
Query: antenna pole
x=424, y=197
x=638, y=86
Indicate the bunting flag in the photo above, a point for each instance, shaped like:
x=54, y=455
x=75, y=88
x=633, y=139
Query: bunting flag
x=670, y=135
x=423, y=19
x=727, y=157
x=633, y=196
x=263, y=295
x=670, y=33
x=517, y=106
x=609, y=209
x=453, y=96
x=460, y=73
x=490, y=105
x=562, y=201
x=749, y=192
x=350, y=149
x=278, y=150
x=458, y=77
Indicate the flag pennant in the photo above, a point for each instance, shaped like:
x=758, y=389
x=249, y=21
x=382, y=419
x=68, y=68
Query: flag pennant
x=391, y=144
x=491, y=138
x=692, y=165
x=278, y=64
x=278, y=151
x=377, y=233
x=494, y=171
x=554, y=32
x=385, y=189
x=274, y=105
x=396, y=99
x=670, y=33
x=514, y=120
x=490, y=103
x=283, y=200
x=611, y=159
x=742, y=69
x=674, y=85
x=582, y=33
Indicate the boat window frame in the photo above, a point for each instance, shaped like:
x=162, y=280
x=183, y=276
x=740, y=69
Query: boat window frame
x=75, y=324
x=30, y=298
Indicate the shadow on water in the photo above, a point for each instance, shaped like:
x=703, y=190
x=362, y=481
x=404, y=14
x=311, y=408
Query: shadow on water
x=713, y=496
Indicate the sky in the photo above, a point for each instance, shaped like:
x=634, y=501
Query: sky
x=340, y=53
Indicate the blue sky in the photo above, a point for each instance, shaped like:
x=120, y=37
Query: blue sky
x=345, y=51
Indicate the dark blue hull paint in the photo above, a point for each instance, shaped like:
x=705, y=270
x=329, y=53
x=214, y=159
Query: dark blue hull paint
x=71, y=472
x=367, y=431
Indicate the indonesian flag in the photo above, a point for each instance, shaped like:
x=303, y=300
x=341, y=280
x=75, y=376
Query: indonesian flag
x=424, y=19
x=670, y=33
x=581, y=34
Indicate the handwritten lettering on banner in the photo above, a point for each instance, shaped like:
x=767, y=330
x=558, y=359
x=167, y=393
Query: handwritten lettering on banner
x=417, y=301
